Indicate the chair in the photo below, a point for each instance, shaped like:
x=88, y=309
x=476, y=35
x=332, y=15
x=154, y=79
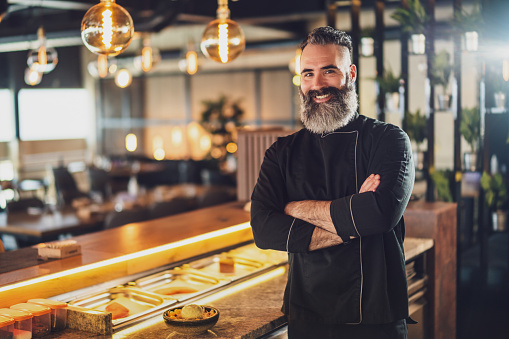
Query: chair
x=171, y=207
x=66, y=187
x=215, y=196
x=119, y=218
x=23, y=204
x=100, y=182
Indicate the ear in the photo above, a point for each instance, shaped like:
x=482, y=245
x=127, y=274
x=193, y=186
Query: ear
x=353, y=72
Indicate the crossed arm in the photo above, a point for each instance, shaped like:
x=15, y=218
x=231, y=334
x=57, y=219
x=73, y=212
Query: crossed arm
x=318, y=213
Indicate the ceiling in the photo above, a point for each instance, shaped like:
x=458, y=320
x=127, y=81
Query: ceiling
x=275, y=23
x=278, y=20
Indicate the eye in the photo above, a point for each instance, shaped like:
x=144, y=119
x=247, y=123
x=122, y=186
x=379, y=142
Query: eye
x=307, y=75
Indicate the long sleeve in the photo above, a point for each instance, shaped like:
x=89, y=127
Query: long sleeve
x=272, y=228
x=378, y=212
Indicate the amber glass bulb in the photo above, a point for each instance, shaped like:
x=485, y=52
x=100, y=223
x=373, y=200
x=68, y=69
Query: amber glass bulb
x=223, y=40
x=107, y=28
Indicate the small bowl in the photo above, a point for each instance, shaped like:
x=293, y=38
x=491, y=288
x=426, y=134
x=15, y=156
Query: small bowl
x=192, y=326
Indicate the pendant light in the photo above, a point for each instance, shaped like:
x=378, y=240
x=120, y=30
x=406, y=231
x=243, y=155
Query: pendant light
x=32, y=76
x=107, y=28
x=123, y=78
x=148, y=58
x=189, y=64
x=131, y=142
x=223, y=40
x=103, y=67
x=42, y=59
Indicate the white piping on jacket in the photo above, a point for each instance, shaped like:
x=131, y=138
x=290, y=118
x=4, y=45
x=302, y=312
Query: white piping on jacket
x=288, y=239
x=353, y=220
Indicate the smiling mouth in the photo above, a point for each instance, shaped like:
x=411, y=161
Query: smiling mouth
x=323, y=97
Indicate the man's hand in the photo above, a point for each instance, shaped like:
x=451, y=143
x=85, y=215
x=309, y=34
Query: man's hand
x=370, y=184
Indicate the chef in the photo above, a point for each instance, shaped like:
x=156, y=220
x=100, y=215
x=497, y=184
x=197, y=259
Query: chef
x=332, y=195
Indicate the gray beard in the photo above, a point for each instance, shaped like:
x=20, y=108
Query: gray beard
x=328, y=116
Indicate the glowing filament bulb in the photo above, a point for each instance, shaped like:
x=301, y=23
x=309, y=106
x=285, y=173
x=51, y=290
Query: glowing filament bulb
x=146, y=58
x=131, y=143
x=192, y=62
x=223, y=42
x=107, y=28
x=42, y=56
x=505, y=70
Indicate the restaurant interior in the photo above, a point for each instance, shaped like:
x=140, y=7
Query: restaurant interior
x=158, y=123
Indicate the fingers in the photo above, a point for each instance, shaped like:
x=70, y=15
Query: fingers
x=370, y=184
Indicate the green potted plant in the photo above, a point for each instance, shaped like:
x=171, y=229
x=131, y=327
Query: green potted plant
x=221, y=118
x=470, y=130
x=388, y=87
x=413, y=20
x=415, y=126
x=442, y=181
x=496, y=198
x=442, y=69
x=470, y=24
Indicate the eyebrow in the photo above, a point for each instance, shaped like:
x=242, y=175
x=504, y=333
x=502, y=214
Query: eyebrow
x=322, y=68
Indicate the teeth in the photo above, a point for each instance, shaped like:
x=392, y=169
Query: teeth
x=322, y=96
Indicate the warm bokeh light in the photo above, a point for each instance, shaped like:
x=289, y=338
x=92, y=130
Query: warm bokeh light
x=159, y=154
x=205, y=143
x=146, y=58
x=123, y=78
x=296, y=80
x=216, y=153
x=102, y=65
x=191, y=62
x=131, y=142
x=32, y=76
x=231, y=147
x=177, y=136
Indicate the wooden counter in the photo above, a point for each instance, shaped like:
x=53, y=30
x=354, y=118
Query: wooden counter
x=247, y=313
x=437, y=221
x=130, y=249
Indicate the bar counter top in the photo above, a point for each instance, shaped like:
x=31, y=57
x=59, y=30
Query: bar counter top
x=126, y=250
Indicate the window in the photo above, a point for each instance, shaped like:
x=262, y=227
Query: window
x=7, y=128
x=49, y=114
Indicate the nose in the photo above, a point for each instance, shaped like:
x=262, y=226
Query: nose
x=318, y=82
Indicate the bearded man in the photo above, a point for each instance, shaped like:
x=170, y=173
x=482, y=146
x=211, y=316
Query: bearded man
x=332, y=195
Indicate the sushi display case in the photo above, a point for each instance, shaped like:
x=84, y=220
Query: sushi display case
x=145, y=295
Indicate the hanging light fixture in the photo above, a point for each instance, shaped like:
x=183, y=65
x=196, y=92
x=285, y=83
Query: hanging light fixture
x=42, y=59
x=131, y=142
x=107, y=28
x=103, y=67
x=190, y=63
x=32, y=76
x=148, y=58
x=223, y=40
x=123, y=78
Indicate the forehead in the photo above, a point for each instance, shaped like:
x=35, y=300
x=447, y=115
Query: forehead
x=323, y=55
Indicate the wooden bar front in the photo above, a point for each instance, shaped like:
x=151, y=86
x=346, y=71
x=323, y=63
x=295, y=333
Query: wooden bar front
x=437, y=220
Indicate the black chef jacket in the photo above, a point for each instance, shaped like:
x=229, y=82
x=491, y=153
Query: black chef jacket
x=362, y=280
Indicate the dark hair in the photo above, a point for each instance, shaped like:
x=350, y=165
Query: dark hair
x=328, y=35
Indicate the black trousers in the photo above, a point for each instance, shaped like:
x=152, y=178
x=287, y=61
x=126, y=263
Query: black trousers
x=299, y=329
